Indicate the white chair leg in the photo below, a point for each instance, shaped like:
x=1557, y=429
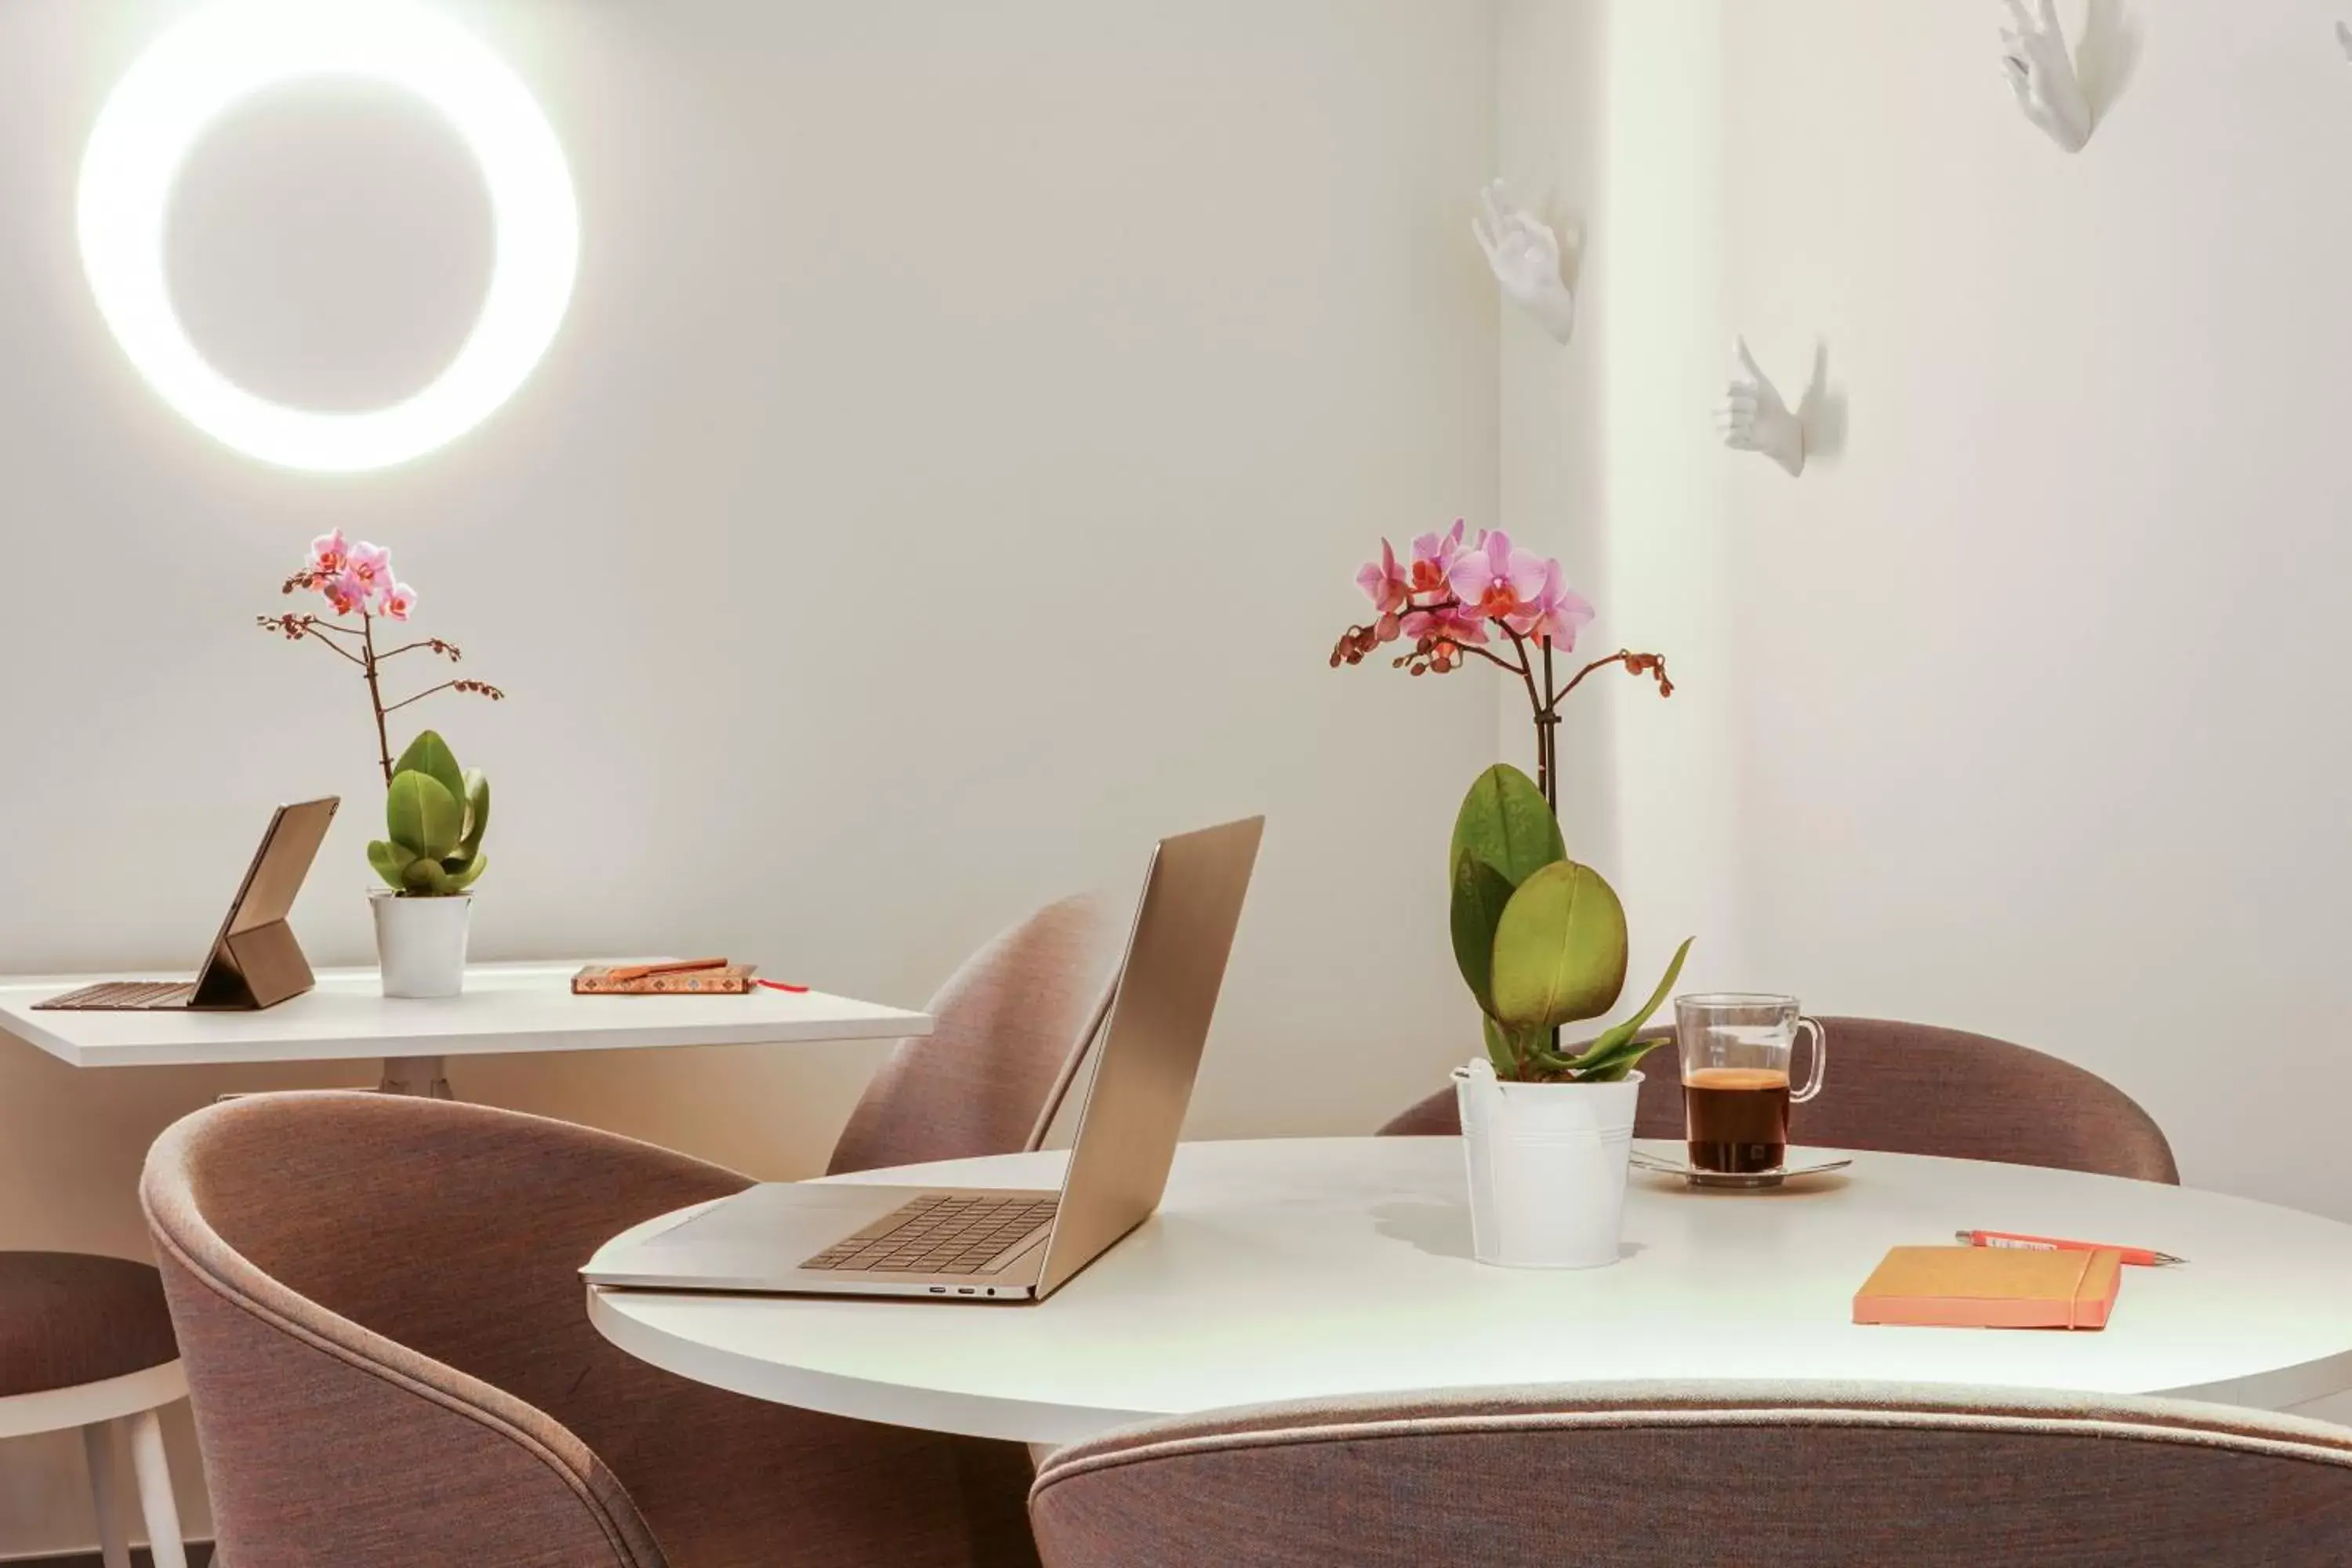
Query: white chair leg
x=106, y=1493
x=155, y=1499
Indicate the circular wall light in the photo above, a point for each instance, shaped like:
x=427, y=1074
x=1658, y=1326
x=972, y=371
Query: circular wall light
x=233, y=49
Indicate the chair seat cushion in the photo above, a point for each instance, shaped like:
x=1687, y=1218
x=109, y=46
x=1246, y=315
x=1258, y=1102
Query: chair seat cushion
x=67, y=1318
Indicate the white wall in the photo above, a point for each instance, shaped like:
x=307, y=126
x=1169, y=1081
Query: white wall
x=2026, y=711
x=1607, y=118
x=950, y=476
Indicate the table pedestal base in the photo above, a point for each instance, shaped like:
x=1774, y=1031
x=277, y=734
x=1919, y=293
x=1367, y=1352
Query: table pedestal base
x=424, y=1076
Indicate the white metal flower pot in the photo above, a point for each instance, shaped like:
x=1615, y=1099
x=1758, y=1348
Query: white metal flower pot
x=420, y=943
x=1546, y=1164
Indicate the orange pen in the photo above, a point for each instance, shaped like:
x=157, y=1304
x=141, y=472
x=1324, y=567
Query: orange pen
x=678, y=966
x=2137, y=1255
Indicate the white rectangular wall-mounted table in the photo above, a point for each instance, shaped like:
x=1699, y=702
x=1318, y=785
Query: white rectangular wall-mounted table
x=506, y=1008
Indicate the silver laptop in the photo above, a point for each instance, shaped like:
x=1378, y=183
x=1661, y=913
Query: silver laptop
x=993, y=1244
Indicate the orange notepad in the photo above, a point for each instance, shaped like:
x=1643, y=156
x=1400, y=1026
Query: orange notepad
x=1990, y=1287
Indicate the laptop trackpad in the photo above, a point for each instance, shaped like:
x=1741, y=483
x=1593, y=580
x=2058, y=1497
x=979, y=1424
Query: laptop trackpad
x=773, y=1219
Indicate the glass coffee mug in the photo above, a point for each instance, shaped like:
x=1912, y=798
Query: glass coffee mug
x=1737, y=1051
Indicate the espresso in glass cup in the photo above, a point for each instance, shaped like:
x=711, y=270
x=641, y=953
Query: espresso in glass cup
x=1736, y=1050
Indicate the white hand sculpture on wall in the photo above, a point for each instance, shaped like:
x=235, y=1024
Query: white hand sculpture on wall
x=1525, y=255
x=2042, y=74
x=1753, y=418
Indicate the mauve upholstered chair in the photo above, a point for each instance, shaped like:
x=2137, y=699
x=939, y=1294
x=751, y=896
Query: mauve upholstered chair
x=391, y=1365
x=1010, y=1028
x=1914, y=1089
x=1686, y=1476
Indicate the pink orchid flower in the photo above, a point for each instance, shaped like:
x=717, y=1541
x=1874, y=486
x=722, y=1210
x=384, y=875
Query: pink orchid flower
x=345, y=592
x=372, y=568
x=1557, y=613
x=1497, y=581
x=1446, y=623
x=400, y=598
x=329, y=555
x=1433, y=555
x=1383, y=582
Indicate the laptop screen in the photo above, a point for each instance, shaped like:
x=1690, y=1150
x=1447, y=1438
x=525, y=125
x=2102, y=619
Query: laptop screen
x=1152, y=1045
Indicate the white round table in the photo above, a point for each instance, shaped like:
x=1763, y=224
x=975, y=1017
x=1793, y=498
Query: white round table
x=1316, y=1268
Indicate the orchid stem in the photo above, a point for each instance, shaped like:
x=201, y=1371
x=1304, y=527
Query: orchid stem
x=1619, y=657
x=1536, y=704
x=420, y=696
x=1490, y=658
x=1548, y=738
x=337, y=650
x=375, y=697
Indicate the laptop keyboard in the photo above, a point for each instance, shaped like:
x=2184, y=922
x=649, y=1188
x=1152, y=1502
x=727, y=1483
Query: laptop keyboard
x=124, y=997
x=941, y=1233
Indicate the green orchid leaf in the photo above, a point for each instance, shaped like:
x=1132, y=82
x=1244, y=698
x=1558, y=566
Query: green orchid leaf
x=1480, y=893
x=461, y=876
x=430, y=755
x=476, y=797
x=424, y=878
x=1548, y=1063
x=1560, y=948
x=1506, y=822
x=1520, y=1054
x=1499, y=1050
x=389, y=860
x=1617, y=1035
x=422, y=817
x=1610, y=1064
x=1611, y=1071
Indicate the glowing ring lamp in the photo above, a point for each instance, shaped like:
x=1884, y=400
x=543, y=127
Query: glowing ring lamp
x=225, y=52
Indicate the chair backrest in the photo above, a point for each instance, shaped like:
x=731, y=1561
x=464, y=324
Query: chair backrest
x=1011, y=1027
x=1825, y=1477
x=1915, y=1088
x=378, y=1306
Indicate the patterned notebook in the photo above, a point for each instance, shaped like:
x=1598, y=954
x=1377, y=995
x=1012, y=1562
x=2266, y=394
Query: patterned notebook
x=594, y=979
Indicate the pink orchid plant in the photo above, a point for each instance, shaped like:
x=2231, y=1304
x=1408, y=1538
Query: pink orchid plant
x=1485, y=598
x=357, y=581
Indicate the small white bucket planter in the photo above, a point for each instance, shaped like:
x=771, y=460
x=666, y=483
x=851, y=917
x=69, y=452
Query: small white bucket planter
x=420, y=943
x=1547, y=1167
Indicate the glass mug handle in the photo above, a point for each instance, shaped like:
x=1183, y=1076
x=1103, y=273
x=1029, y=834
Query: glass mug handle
x=1821, y=1059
